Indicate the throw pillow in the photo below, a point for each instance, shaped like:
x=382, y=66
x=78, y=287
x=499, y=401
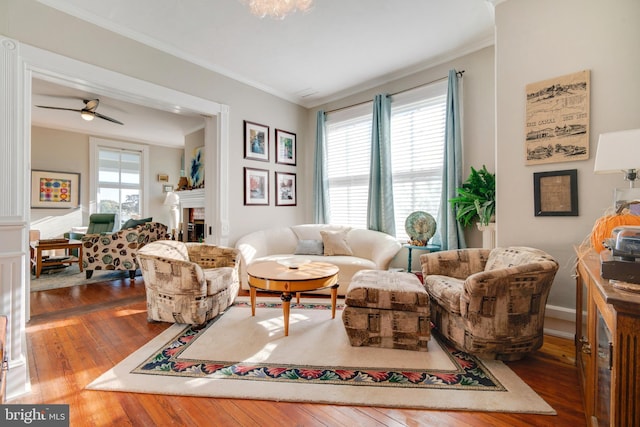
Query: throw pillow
x=131, y=223
x=335, y=243
x=309, y=247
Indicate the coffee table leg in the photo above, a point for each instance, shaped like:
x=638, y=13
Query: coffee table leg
x=252, y=295
x=334, y=300
x=286, y=307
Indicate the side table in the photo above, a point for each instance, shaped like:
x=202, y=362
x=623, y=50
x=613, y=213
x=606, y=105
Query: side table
x=410, y=248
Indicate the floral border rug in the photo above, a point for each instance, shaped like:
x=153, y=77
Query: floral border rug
x=240, y=356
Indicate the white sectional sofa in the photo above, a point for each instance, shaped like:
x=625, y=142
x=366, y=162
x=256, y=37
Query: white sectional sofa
x=370, y=250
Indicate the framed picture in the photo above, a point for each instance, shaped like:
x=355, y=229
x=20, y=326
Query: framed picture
x=285, y=147
x=163, y=177
x=557, y=126
x=256, y=141
x=556, y=193
x=285, y=189
x=57, y=190
x=256, y=186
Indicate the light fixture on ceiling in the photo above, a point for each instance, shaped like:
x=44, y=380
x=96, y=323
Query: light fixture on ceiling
x=87, y=115
x=278, y=8
x=619, y=152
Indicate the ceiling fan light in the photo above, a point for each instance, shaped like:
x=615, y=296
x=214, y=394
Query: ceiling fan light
x=87, y=115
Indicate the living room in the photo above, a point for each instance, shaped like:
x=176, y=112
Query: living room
x=534, y=41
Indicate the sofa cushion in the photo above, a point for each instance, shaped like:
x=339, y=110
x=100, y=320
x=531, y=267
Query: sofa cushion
x=218, y=279
x=508, y=257
x=309, y=247
x=389, y=290
x=446, y=291
x=335, y=242
x=312, y=231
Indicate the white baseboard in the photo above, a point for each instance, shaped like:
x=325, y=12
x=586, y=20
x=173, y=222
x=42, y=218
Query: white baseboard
x=560, y=322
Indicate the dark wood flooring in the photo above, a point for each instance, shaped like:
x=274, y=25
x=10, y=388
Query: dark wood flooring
x=76, y=334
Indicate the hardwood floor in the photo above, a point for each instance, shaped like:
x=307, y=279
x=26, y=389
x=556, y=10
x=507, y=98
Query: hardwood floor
x=76, y=334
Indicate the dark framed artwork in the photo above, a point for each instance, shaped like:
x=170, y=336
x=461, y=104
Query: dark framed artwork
x=256, y=186
x=256, y=141
x=55, y=190
x=556, y=193
x=285, y=147
x=285, y=189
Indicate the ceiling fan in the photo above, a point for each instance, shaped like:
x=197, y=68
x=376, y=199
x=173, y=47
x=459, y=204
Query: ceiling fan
x=88, y=112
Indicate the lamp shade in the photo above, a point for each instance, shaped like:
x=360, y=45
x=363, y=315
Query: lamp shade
x=172, y=199
x=618, y=151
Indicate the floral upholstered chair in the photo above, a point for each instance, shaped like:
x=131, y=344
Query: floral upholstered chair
x=117, y=250
x=490, y=302
x=188, y=282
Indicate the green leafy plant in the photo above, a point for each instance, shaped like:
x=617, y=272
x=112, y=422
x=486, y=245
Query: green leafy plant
x=476, y=200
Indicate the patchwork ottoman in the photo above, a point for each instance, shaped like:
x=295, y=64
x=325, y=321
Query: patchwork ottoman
x=387, y=309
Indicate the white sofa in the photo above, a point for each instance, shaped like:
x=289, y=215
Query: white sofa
x=372, y=250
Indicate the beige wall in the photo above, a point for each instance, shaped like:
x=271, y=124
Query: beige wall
x=539, y=40
x=63, y=151
x=35, y=24
x=534, y=41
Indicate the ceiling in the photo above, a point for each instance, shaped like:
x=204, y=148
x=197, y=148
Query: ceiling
x=337, y=48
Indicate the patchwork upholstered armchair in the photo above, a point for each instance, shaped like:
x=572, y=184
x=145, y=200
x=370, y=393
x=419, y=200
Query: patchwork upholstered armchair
x=117, y=250
x=188, y=282
x=490, y=302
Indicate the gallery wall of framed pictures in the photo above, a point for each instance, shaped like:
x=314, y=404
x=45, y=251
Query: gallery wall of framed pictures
x=257, y=147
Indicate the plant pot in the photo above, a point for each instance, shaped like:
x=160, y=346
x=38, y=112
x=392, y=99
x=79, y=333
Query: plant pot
x=488, y=234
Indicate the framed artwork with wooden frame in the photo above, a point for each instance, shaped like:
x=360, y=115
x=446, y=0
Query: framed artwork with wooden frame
x=285, y=147
x=285, y=189
x=256, y=141
x=556, y=193
x=256, y=186
x=55, y=190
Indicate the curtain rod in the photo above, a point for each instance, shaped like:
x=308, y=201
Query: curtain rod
x=459, y=73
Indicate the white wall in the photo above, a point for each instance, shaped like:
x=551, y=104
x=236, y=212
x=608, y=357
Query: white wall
x=64, y=151
x=33, y=23
x=543, y=39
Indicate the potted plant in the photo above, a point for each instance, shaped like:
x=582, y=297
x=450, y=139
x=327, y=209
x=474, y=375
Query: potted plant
x=476, y=200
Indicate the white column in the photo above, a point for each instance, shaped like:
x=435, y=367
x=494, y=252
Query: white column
x=15, y=91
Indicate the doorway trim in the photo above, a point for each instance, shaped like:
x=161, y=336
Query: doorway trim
x=19, y=63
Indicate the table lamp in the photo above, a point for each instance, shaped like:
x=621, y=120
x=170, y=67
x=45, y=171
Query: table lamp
x=619, y=152
x=172, y=200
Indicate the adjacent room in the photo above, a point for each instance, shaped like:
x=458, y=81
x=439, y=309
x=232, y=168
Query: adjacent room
x=308, y=212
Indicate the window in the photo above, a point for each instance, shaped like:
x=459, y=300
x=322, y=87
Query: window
x=348, y=156
x=417, y=150
x=118, y=180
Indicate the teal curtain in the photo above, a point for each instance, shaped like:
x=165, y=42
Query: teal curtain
x=321, y=195
x=380, y=215
x=451, y=233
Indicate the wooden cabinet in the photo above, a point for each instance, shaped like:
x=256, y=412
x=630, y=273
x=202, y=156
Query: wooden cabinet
x=607, y=347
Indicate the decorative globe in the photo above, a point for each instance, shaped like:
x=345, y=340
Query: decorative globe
x=420, y=226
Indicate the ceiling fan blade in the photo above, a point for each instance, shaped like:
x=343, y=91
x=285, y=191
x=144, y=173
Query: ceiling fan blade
x=59, y=108
x=102, y=116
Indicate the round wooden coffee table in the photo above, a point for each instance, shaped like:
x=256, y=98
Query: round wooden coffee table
x=304, y=277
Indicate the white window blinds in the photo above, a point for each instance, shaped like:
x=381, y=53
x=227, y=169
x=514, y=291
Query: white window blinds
x=348, y=156
x=417, y=149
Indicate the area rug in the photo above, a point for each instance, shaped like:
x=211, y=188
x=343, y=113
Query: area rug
x=71, y=276
x=244, y=357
